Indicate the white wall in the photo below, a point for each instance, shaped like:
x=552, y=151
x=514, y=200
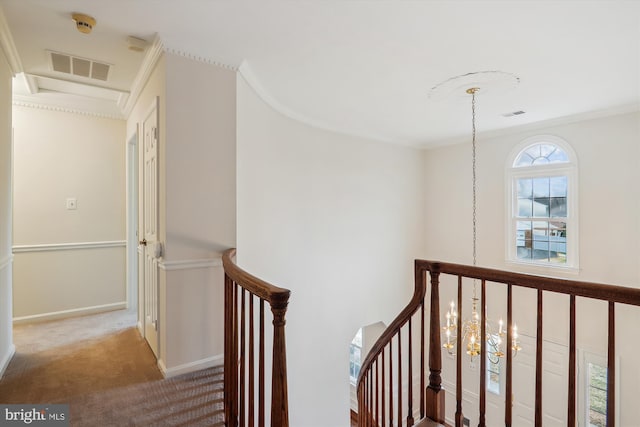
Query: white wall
x=6, y=337
x=197, y=206
x=609, y=231
x=200, y=178
x=60, y=155
x=336, y=219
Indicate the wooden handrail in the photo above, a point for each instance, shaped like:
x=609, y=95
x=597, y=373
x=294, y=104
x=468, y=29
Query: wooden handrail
x=600, y=291
x=240, y=401
x=264, y=290
x=431, y=399
x=377, y=352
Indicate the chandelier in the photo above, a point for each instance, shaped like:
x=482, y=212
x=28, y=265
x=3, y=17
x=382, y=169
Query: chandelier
x=471, y=330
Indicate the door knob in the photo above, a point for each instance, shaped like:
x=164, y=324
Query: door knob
x=143, y=242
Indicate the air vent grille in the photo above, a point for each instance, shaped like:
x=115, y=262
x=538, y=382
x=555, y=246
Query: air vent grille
x=68, y=64
x=513, y=113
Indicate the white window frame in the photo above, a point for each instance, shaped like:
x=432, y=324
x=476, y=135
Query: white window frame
x=494, y=387
x=570, y=170
x=584, y=359
x=352, y=360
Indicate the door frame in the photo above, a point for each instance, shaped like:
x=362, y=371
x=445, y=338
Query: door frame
x=132, y=221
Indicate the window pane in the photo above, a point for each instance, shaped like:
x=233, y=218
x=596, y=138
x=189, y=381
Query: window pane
x=541, y=207
x=598, y=400
x=523, y=160
x=541, y=161
x=524, y=251
x=525, y=208
x=558, y=186
x=597, y=395
x=523, y=229
x=597, y=419
x=541, y=230
x=558, y=207
x=547, y=150
x=543, y=198
x=533, y=151
x=357, y=340
x=558, y=156
x=539, y=154
x=525, y=188
x=597, y=376
x=541, y=187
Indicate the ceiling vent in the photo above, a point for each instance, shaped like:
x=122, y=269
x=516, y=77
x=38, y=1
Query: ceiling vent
x=513, y=113
x=82, y=67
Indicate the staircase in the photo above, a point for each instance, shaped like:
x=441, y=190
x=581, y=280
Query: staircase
x=398, y=385
x=387, y=392
x=244, y=349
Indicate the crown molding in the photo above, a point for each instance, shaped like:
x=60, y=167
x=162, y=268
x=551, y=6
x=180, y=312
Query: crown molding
x=541, y=125
x=31, y=83
x=154, y=52
x=28, y=102
x=202, y=59
x=8, y=46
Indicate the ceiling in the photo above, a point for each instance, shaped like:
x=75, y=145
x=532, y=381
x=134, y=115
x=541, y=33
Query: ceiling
x=361, y=67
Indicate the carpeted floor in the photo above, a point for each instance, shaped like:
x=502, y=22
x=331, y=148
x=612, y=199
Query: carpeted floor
x=193, y=400
x=104, y=369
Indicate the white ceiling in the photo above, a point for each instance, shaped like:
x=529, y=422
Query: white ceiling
x=363, y=67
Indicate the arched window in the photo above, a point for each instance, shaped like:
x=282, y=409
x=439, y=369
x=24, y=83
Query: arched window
x=542, y=177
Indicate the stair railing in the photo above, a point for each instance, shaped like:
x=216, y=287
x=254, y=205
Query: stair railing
x=244, y=394
x=380, y=398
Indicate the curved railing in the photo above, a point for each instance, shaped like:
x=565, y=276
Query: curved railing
x=244, y=394
x=380, y=397
x=376, y=402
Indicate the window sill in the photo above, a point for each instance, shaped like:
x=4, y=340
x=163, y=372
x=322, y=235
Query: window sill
x=541, y=269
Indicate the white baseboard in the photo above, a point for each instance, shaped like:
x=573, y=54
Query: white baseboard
x=140, y=328
x=209, y=362
x=4, y=362
x=70, y=313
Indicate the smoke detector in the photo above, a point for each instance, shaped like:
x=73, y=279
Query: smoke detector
x=84, y=23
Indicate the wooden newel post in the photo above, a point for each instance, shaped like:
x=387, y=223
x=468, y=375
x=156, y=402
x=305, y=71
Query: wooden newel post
x=279, y=393
x=434, y=392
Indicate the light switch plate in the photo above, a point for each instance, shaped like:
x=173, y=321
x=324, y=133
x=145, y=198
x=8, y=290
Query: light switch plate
x=72, y=204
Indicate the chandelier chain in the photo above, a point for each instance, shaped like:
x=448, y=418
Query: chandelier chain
x=474, y=178
x=470, y=330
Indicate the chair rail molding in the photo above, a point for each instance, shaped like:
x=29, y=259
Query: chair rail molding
x=189, y=264
x=50, y=247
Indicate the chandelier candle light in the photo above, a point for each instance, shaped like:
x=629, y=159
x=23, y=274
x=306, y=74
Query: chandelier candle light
x=471, y=332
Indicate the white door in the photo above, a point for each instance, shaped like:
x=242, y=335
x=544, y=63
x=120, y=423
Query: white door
x=555, y=360
x=149, y=242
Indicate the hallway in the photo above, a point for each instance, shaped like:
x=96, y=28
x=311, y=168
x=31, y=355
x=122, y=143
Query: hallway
x=57, y=360
x=105, y=371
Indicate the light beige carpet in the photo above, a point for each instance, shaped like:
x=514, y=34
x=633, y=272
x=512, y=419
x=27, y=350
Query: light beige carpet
x=104, y=369
x=63, y=358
